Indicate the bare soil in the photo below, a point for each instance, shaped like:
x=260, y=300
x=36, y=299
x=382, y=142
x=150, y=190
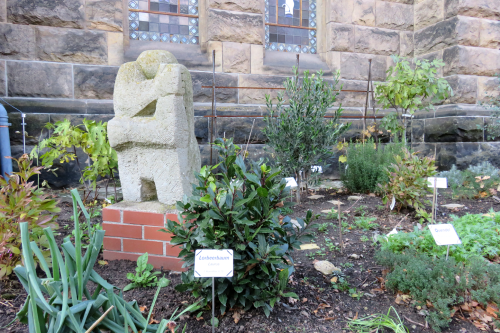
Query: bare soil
x=320, y=307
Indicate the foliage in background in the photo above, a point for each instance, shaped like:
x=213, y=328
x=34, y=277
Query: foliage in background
x=439, y=283
x=62, y=301
x=477, y=181
x=299, y=134
x=479, y=235
x=411, y=87
x=408, y=181
x=21, y=201
x=91, y=137
x=492, y=129
x=365, y=165
x=239, y=209
x=144, y=276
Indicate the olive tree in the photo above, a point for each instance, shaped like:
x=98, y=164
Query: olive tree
x=298, y=132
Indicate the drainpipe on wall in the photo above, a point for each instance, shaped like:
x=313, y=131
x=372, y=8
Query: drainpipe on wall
x=5, y=153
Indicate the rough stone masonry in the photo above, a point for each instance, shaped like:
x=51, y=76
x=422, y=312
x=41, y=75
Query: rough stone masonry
x=59, y=59
x=153, y=129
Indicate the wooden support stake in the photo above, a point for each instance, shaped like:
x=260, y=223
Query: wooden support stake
x=340, y=230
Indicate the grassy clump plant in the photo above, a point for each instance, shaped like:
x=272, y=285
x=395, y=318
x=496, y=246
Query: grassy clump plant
x=376, y=322
x=239, y=208
x=62, y=301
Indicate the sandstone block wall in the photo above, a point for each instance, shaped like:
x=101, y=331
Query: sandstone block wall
x=59, y=59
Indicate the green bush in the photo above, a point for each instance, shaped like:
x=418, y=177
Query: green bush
x=442, y=282
x=239, y=209
x=21, y=201
x=480, y=180
x=64, y=301
x=479, y=235
x=408, y=184
x=298, y=133
x=365, y=165
x=91, y=137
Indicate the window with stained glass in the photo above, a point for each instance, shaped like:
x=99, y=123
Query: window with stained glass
x=291, y=26
x=170, y=21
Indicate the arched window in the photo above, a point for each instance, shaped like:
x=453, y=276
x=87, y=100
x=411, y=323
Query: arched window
x=170, y=21
x=291, y=26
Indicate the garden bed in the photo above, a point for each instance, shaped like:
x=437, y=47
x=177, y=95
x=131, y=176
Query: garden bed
x=320, y=307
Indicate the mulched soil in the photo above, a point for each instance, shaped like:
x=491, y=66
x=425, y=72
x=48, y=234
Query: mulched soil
x=320, y=308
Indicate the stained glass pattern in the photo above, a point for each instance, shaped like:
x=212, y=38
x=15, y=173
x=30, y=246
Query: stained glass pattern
x=152, y=21
x=291, y=26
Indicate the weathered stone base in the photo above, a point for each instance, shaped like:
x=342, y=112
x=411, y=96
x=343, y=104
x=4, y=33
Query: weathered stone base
x=132, y=229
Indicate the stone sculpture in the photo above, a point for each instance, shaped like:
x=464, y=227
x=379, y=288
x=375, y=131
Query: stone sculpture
x=153, y=129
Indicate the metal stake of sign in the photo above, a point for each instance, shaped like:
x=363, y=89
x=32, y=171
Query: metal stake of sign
x=447, y=252
x=213, y=263
x=213, y=304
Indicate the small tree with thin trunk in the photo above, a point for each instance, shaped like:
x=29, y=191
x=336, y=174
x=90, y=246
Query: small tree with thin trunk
x=410, y=87
x=299, y=133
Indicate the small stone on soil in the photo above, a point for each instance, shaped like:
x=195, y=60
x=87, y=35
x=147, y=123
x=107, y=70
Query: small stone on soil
x=315, y=197
x=326, y=267
x=354, y=198
x=336, y=202
x=309, y=246
x=453, y=206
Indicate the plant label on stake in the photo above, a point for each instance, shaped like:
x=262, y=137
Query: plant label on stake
x=213, y=263
x=445, y=234
x=291, y=182
x=436, y=183
x=440, y=182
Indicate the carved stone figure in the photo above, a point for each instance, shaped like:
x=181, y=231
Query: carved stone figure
x=153, y=129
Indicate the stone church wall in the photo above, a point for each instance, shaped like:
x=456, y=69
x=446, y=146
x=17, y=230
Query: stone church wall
x=59, y=59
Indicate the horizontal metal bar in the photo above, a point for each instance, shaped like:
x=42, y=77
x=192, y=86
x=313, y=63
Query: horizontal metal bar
x=259, y=116
x=161, y=13
x=290, y=26
x=269, y=88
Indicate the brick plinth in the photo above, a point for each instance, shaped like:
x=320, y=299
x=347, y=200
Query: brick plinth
x=132, y=228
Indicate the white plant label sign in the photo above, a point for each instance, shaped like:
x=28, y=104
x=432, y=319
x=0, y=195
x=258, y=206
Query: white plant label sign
x=317, y=168
x=440, y=182
x=393, y=203
x=444, y=234
x=213, y=263
x=291, y=182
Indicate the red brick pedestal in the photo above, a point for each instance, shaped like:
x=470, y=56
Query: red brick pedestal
x=132, y=229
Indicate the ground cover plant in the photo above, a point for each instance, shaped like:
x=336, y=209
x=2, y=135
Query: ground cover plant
x=407, y=185
x=239, y=208
x=439, y=284
x=365, y=164
x=298, y=133
x=478, y=232
x=476, y=181
x=22, y=201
